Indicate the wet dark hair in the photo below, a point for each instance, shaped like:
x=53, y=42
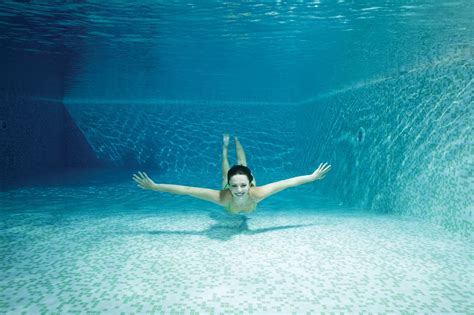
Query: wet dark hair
x=240, y=169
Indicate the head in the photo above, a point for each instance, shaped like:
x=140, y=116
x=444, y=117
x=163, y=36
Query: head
x=239, y=178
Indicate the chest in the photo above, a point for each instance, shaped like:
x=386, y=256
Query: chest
x=235, y=207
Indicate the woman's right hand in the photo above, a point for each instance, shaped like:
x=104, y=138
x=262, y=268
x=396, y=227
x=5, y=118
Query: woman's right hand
x=143, y=180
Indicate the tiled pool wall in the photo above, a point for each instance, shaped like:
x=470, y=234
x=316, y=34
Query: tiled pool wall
x=399, y=144
x=186, y=138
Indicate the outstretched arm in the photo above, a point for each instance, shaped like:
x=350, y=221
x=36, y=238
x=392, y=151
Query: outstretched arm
x=211, y=195
x=265, y=191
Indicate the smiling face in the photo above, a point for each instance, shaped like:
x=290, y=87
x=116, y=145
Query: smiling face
x=239, y=185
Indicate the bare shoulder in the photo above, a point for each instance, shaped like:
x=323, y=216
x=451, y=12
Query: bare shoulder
x=225, y=196
x=256, y=193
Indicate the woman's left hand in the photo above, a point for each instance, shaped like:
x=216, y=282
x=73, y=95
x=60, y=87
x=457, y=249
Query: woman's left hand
x=321, y=171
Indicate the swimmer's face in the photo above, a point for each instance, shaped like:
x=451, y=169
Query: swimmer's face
x=239, y=185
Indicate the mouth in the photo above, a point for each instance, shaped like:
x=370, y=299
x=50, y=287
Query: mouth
x=239, y=194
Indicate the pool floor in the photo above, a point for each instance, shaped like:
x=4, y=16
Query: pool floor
x=131, y=257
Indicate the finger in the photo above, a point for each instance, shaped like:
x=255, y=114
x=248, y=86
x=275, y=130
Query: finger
x=139, y=184
x=321, y=173
x=136, y=178
x=325, y=171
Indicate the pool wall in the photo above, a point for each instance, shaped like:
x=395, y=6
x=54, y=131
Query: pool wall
x=399, y=144
x=37, y=135
x=187, y=137
x=31, y=141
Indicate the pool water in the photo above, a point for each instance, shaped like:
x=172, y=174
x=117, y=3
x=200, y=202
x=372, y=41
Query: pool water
x=381, y=90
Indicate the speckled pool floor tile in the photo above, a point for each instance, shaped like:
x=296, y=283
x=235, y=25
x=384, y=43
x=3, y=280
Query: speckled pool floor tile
x=302, y=262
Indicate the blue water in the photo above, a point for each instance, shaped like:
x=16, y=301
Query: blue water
x=223, y=51
x=93, y=92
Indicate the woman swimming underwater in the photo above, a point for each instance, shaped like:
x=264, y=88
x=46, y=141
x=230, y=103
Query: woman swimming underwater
x=239, y=192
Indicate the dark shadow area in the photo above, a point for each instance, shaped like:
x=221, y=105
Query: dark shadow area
x=77, y=151
x=37, y=135
x=45, y=152
x=227, y=227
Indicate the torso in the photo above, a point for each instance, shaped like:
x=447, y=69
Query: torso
x=234, y=208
